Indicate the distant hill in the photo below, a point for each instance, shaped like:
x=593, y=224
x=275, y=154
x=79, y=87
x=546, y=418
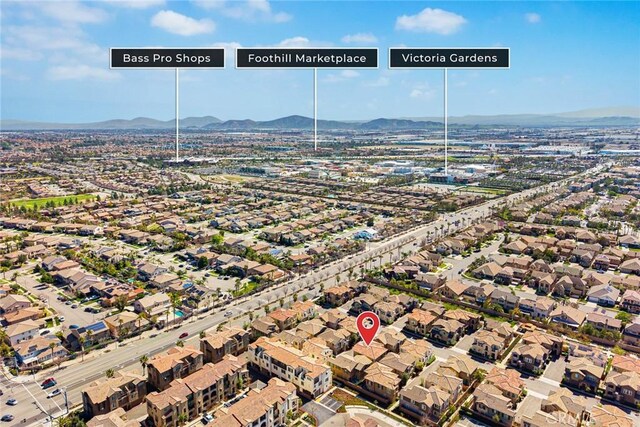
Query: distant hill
x=618, y=116
x=137, y=123
x=398, y=124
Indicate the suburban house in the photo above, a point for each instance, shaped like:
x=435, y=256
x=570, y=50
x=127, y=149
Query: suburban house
x=581, y=373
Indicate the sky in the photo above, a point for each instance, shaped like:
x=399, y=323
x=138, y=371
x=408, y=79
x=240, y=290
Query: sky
x=565, y=56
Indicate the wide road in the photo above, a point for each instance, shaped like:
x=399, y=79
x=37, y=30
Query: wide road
x=35, y=407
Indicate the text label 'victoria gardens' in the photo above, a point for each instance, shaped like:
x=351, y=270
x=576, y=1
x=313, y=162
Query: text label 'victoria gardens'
x=401, y=57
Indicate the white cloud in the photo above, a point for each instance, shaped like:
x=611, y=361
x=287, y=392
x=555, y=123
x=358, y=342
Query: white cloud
x=136, y=4
x=81, y=72
x=294, y=42
x=71, y=11
x=436, y=21
x=532, y=18
x=379, y=82
x=340, y=77
x=422, y=91
x=11, y=75
x=182, y=25
x=360, y=38
x=247, y=10
x=30, y=41
x=19, y=54
x=229, y=50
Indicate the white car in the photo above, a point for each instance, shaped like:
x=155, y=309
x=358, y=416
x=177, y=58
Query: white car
x=54, y=393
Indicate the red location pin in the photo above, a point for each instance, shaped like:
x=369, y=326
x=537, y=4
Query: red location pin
x=368, y=324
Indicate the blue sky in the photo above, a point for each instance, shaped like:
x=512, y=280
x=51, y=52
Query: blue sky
x=565, y=56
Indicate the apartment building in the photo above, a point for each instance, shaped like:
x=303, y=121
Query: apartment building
x=214, y=346
x=261, y=407
x=178, y=362
x=125, y=390
x=285, y=362
x=186, y=398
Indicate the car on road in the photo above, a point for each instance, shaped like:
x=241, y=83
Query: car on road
x=7, y=418
x=206, y=419
x=49, y=382
x=74, y=327
x=45, y=332
x=54, y=393
x=74, y=305
x=12, y=402
x=153, y=335
x=228, y=313
x=184, y=335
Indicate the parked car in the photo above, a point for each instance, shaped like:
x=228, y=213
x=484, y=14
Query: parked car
x=74, y=305
x=228, y=313
x=61, y=318
x=184, y=335
x=12, y=402
x=45, y=332
x=207, y=418
x=7, y=417
x=74, y=327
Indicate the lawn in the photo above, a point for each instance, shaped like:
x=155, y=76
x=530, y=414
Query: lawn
x=347, y=398
x=59, y=201
x=245, y=289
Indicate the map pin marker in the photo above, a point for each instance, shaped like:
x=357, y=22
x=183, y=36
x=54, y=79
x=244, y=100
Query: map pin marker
x=368, y=324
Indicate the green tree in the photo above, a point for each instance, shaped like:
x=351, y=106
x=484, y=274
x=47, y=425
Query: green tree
x=217, y=239
x=203, y=262
x=121, y=302
x=144, y=360
x=624, y=317
x=110, y=373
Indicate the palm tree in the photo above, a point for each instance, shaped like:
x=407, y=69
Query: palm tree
x=120, y=322
x=110, y=373
x=52, y=346
x=175, y=303
x=81, y=341
x=141, y=315
x=144, y=359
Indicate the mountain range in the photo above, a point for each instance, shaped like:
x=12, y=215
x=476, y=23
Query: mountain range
x=620, y=116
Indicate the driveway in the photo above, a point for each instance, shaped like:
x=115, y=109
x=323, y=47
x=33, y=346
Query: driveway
x=319, y=411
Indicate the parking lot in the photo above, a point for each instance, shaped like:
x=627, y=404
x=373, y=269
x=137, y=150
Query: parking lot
x=49, y=296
